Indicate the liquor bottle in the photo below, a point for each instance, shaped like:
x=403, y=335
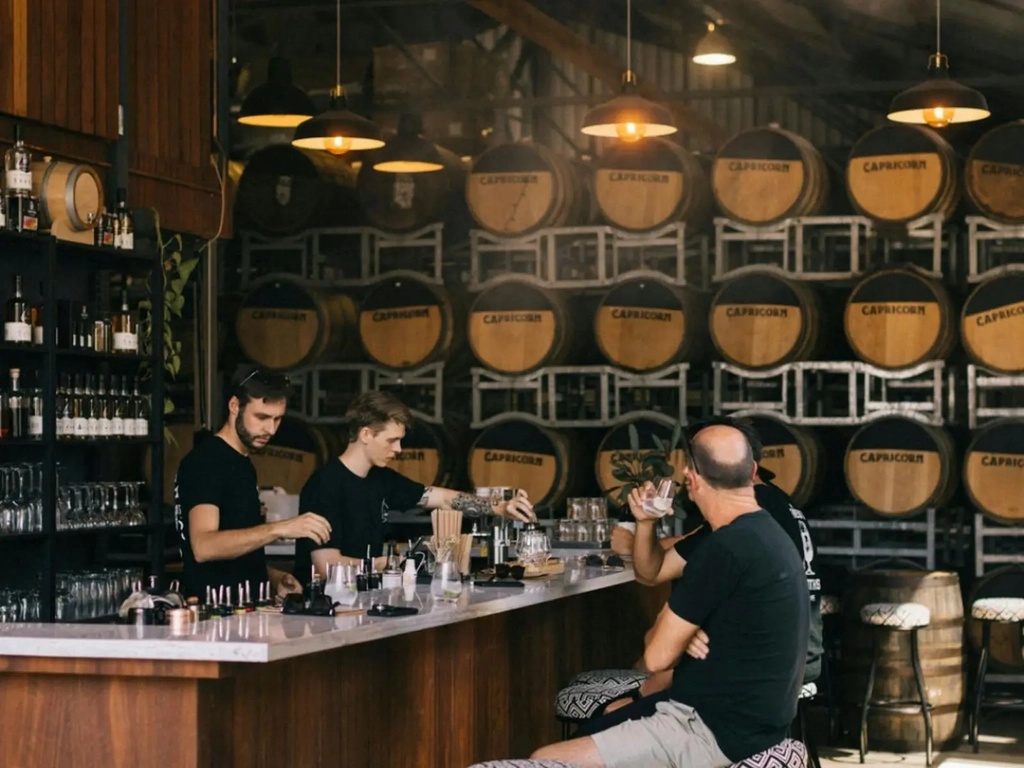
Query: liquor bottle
x=124, y=236
x=17, y=406
x=37, y=318
x=128, y=403
x=79, y=415
x=65, y=417
x=17, y=168
x=17, y=317
x=104, y=410
x=140, y=411
x=125, y=328
x=3, y=211
x=92, y=410
x=116, y=408
x=34, y=396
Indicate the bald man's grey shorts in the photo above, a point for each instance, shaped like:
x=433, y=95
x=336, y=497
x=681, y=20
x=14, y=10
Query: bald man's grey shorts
x=673, y=737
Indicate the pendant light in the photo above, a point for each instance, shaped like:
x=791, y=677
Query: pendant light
x=713, y=50
x=629, y=115
x=938, y=101
x=338, y=130
x=278, y=103
x=407, y=152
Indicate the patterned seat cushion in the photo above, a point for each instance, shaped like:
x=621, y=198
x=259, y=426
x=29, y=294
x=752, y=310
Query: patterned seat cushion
x=787, y=754
x=809, y=691
x=998, y=609
x=588, y=692
x=896, y=615
x=830, y=605
x=523, y=764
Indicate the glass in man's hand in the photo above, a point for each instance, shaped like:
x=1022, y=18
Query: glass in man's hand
x=658, y=498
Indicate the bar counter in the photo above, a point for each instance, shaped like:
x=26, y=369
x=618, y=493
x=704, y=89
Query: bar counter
x=452, y=685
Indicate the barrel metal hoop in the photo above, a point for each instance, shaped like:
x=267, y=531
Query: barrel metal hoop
x=69, y=198
x=44, y=207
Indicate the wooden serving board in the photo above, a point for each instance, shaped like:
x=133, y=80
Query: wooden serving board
x=552, y=567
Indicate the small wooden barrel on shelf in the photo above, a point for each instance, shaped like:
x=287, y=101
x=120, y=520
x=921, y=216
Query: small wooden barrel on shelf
x=296, y=450
x=994, y=470
x=994, y=174
x=795, y=454
x=69, y=194
x=616, y=442
x=992, y=324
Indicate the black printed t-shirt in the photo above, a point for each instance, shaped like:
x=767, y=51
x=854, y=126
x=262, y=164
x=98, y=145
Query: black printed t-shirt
x=356, y=507
x=745, y=587
x=215, y=473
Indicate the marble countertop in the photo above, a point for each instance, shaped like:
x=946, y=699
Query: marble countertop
x=264, y=637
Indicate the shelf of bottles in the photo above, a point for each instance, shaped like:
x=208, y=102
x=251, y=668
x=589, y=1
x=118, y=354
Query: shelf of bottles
x=80, y=442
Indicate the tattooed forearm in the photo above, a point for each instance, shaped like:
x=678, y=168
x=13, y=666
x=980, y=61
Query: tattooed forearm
x=471, y=506
x=425, y=497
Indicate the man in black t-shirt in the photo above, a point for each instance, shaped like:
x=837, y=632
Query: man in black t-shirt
x=746, y=587
x=356, y=491
x=216, y=497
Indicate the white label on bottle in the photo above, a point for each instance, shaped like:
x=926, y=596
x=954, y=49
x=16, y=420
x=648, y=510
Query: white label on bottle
x=37, y=335
x=19, y=181
x=81, y=427
x=21, y=332
x=35, y=426
x=128, y=241
x=129, y=427
x=141, y=427
x=65, y=426
x=126, y=342
x=117, y=426
x=93, y=427
x=106, y=428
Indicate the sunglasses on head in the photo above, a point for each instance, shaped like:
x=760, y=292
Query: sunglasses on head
x=265, y=378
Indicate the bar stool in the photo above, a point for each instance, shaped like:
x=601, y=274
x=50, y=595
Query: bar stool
x=807, y=692
x=589, y=693
x=989, y=611
x=831, y=608
x=523, y=764
x=896, y=617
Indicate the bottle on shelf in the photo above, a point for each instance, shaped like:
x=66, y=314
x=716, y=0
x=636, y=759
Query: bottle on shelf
x=17, y=317
x=125, y=328
x=3, y=211
x=63, y=407
x=103, y=410
x=17, y=408
x=20, y=213
x=128, y=406
x=117, y=408
x=92, y=409
x=34, y=397
x=140, y=411
x=103, y=232
x=37, y=318
x=124, y=227
x=79, y=413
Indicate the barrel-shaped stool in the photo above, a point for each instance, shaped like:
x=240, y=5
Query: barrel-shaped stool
x=589, y=693
x=896, y=617
x=989, y=611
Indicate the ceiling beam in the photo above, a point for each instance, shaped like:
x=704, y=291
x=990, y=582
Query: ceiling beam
x=562, y=42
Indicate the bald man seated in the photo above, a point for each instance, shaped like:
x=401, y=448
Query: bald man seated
x=745, y=587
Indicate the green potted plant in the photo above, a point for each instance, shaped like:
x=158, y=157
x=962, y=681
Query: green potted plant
x=635, y=467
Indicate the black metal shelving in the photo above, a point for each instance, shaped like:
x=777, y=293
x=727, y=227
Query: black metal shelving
x=59, y=259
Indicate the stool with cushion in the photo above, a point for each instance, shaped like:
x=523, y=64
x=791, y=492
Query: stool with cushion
x=786, y=754
x=989, y=611
x=831, y=610
x=523, y=764
x=896, y=617
x=807, y=692
x=589, y=693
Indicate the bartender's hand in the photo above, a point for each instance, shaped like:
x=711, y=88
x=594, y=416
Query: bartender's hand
x=622, y=544
x=307, y=526
x=518, y=508
x=698, y=647
x=636, y=504
x=288, y=585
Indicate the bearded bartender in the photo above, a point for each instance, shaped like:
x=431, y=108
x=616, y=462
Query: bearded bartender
x=358, y=489
x=217, y=508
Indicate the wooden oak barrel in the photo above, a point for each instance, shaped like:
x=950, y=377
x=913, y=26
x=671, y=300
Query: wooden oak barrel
x=403, y=202
x=897, y=318
x=429, y=455
x=994, y=174
x=518, y=453
x=992, y=324
x=293, y=454
x=645, y=323
x=764, y=175
x=68, y=192
x=285, y=322
x=1006, y=641
x=898, y=466
x=515, y=189
x=647, y=184
x=406, y=321
x=897, y=173
x=994, y=470
x=941, y=650
x=615, y=443
x=762, y=318
x=795, y=454
x=285, y=190
x=517, y=325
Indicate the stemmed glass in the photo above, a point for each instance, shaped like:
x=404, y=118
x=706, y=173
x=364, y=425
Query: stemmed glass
x=658, y=497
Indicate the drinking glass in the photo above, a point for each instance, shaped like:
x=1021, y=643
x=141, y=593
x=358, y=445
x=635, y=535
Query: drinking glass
x=533, y=546
x=341, y=586
x=446, y=583
x=658, y=498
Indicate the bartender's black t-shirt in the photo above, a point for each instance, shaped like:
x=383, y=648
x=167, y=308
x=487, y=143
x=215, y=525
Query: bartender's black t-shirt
x=356, y=507
x=215, y=473
x=745, y=587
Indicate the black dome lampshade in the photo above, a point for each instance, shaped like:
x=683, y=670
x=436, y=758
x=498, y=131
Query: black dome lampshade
x=938, y=101
x=277, y=103
x=629, y=116
x=714, y=49
x=408, y=151
x=338, y=130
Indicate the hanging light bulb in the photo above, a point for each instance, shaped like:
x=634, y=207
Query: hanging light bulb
x=938, y=101
x=408, y=152
x=338, y=130
x=628, y=116
x=278, y=103
x=713, y=50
